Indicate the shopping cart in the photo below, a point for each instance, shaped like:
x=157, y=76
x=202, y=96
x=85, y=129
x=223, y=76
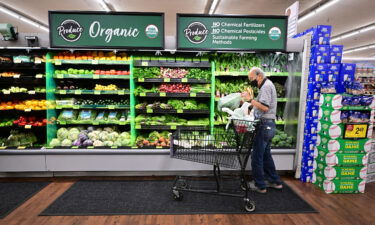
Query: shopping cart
x=230, y=148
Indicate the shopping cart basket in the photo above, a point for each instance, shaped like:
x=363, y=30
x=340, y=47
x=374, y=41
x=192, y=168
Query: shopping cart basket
x=230, y=148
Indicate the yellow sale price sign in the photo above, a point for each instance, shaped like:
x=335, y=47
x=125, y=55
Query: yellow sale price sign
x=356, y=131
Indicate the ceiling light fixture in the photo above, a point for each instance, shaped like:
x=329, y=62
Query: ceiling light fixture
x=360, y=48
x=317, y=10
x=214, y=4
x=359, y=58
x=104, y=5
x=353, y=32
x=23, y=18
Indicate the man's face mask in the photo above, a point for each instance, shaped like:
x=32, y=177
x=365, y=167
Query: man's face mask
x=254, y=82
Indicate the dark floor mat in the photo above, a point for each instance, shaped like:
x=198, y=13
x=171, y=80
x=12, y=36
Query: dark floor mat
x=155, y=197
x=13, y=194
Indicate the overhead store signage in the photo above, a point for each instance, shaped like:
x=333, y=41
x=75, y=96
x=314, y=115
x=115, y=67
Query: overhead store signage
x=106, y=30
x=231, y=33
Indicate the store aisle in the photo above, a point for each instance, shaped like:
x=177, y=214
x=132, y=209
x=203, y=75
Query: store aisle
x=334, y=209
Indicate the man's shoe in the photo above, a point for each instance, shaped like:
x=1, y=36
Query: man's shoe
x=274, y=186
x=255, y=188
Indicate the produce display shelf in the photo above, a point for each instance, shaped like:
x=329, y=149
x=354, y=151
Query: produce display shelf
x=91, y=92
x=278, y=99
x=131, y=148
x=173, y=80
x=22, y=127
x=25, y=110
x=22, y=66
x=176, y=95
x=20, y=148
x=92, y=62
x=21, y=78
x=170, y=127
x=204, y=64
x=90, y=76
x=173, y=111
x=245, y=73
x=74, y=122
x=31, y=92
x=92, y=107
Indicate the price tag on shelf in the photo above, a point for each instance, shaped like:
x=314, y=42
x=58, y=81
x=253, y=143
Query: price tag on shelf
x=149, y=111
x=3, y=147
x=90, y=147
x=141, y=79
x=62, y=92
x=75, y=147
x=184, y=80
x=159, y=147
x=95, y=122
x=122, y=123
x=59, y=76
x=167, y=79
x=142, y=94
x=180, y=110
x=38, y=61
x=57, y=62
x=21, y=147
x=134, y=146
x=193, y=94
x=62, y=122
x=111, y=107
x=173, y=127
x=144, y=63
x=94, y=62
x=17, y=61
x=115, y=147
x=28, y=126
x=75, y=106
x=355, y=131
x=27, y=110
x=122, y=92
x=235, y=74
x=6, y=92
x=39, y=76
x=97, y=92
x=96, y=76
x=17, y=76
x=78, y=92
x=137, y=126
x=31, y=92
x=163, y=94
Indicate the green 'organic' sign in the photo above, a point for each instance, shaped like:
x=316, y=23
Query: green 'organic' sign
x=106, y=30
x=220, y=32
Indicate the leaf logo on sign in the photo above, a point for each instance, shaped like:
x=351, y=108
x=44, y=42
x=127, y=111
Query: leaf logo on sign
x=70, y=30
x=196, y=32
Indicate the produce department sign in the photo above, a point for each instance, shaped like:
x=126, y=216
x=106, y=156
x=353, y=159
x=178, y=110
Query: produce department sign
x=106, y=30
x=231, y=33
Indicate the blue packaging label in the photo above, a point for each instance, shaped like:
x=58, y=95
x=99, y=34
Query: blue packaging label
x=320, y=54
x=347, y=72
x=322, y=35
x=336, y=53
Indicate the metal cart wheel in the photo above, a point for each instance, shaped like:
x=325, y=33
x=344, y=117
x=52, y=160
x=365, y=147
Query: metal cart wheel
x=244, y=186
x=249, y=205
x=178, y=196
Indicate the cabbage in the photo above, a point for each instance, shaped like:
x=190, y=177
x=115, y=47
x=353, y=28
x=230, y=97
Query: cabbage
x=73, y=135
x=125, y=142
x=62, y=133
x=103, y=136
x=108, y=129
x=82, y=137
x=87, y=143
x=73, y=130
x=113, y=136
x=90, y=129
x=77, y=143
x=117, y=143
x=125, y=135
x=98, y=143
x=66, y=143
x=55, y=142
x=108, y=143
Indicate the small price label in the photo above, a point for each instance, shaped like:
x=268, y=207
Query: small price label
x=39, y=76
x=74, y=147
x=144, y=63
x=142, y=94
x=57, y=62
x=78, y=92
x=27, y=110
x=235, y=74
x=38, y=61
x=28, y=126
x=63, y=122
x=141, y=79
x=95, y=123
x=17, y=61
x=184, y=80
x=6, y=92
x=3, y=147
x=90, y=147
x=94, y=62
x=62, y=92
x=180, y=110
x=75, y=106
x=121, y=92
x=137, y=126
x=31, y=92
x=193, y=94
x=167, y=79
x=159, y=147
x=356, y=131
x=21, y=147
x=114, y=147
x=96, y=77
x=150, y=111
x=17, y=76
x=173, y=127
x=163, y=94
x=111, y=107
x=97, y=92
x=60, y=76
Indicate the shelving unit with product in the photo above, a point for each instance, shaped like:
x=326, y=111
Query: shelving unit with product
x=172, y=92
x=231, y=76
x=89, y=92
x=22, y=105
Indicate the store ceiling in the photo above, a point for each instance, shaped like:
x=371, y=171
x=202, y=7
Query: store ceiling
x=343, y=16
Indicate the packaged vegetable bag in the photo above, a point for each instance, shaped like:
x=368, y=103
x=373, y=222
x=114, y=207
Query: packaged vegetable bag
x=231, y=101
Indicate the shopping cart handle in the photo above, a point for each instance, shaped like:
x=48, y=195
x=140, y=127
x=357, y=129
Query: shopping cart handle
x=227, y=110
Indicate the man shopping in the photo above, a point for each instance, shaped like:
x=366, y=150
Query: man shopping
x=264, y=106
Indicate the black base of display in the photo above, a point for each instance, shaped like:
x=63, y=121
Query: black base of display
x=155, y=197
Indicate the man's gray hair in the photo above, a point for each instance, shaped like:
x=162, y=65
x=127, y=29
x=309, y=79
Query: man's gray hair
x=258, y=71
